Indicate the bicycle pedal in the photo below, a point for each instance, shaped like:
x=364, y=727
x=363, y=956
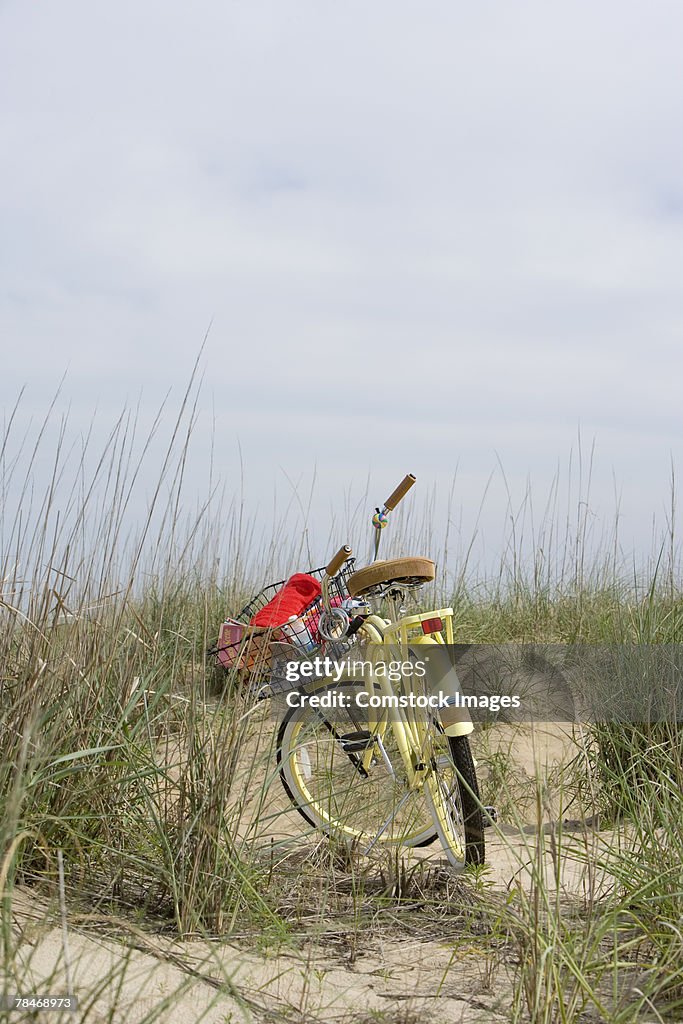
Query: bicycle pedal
x=356, y=742
x=489, y=815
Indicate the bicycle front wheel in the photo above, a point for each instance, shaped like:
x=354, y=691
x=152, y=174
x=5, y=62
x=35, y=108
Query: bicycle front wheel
x=345, y=776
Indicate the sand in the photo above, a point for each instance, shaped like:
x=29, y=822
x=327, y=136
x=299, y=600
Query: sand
x=124, y=973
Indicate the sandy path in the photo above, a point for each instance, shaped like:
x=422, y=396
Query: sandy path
x=393, y=977
x=390, y=974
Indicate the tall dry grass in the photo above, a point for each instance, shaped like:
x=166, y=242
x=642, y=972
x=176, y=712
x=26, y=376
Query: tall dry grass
x=121, y=758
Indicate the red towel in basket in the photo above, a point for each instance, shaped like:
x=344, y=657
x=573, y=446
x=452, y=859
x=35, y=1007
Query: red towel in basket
x=299, y=591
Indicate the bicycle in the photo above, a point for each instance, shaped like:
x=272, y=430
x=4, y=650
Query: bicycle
x=376, y=770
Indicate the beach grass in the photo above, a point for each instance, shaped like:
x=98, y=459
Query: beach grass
x=138, y=784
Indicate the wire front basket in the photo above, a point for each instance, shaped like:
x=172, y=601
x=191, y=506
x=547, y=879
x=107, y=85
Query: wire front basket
x=243, y=646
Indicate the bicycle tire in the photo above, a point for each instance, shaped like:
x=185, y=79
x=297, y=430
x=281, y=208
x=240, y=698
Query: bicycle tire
x=453, y=795
x=326, y=788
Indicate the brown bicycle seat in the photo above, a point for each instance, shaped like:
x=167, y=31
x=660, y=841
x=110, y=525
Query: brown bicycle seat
x=406, y=571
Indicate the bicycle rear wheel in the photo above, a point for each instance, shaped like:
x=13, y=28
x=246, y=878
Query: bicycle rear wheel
x=320, y=755
x=452, y=793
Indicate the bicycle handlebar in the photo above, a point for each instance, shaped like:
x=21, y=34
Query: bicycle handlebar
x=400, y=492
x=336, y=563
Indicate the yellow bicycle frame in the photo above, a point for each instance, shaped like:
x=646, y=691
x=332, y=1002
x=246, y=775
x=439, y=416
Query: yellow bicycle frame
x=412, y=737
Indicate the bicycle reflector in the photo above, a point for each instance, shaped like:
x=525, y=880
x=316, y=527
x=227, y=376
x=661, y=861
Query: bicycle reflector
x=432, y=625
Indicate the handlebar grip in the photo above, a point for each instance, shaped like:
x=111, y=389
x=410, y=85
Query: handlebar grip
x=335, y=565
x=400, y=492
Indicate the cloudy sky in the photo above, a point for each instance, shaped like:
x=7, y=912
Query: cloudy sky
x=422, y=237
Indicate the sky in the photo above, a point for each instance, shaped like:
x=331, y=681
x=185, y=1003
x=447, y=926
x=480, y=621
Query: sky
x=438, y=238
